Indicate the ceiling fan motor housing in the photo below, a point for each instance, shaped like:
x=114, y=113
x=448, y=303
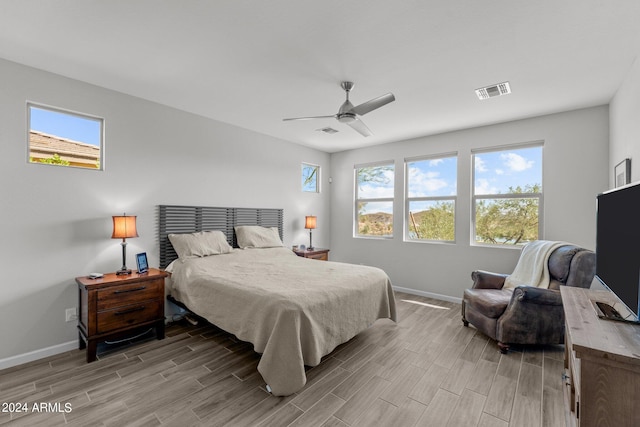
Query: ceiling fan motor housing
x=344, y=113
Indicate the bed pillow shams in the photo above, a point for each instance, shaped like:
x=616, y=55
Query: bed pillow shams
x=200, y=244
x=255, y=236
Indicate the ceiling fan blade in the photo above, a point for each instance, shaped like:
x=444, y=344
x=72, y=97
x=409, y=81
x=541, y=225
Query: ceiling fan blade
x=310, y=118
x=371, y=105
x=360, y=127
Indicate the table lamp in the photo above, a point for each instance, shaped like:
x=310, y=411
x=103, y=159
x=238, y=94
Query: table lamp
x=310, y=224
x=124, y=227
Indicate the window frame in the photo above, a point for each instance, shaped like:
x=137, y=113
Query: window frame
x=358, y=200
x=475, y=197
x=408, y=199
x=59, y=110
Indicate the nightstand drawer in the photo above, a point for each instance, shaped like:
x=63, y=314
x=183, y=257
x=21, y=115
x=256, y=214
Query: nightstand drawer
x=129, y=315
x=130, y=294
x=323, y=256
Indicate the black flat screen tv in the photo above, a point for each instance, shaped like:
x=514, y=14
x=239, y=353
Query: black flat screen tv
x=618, y=245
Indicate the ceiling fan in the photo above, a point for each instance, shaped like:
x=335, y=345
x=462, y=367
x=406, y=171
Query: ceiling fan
x=348, y=114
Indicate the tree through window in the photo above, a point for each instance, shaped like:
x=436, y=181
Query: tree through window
x=310, y=178
x=431, y=198
x=507, y=195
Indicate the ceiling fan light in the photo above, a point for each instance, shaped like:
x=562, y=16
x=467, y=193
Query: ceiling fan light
x=346, y=118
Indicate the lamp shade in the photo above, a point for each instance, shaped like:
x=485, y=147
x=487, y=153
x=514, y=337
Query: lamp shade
x=310, y=222
x=124, y=227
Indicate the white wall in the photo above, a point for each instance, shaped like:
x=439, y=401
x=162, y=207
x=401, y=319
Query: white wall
x=575, y=170
x=56, y=222
x=625, y=124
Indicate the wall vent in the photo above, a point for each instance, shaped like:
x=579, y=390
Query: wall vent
x=493, y=90
x=327, y=130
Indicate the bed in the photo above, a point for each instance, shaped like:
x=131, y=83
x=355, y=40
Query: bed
x=293, y=310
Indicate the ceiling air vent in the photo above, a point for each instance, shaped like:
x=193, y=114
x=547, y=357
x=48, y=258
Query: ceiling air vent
x=493, y=90
x=327, y=130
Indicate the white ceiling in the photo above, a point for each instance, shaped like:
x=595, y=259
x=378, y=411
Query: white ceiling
x=253, y=63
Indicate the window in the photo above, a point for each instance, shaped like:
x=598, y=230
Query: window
x=374, y=200
x=431, y=198
x=310, y=178
x=62, y=138
x=507, y=195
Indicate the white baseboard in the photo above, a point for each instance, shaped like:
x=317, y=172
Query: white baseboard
x=428, y=294
x=38, y=354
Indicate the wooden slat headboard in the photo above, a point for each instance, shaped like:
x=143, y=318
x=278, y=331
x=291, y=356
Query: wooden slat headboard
x=190, y=219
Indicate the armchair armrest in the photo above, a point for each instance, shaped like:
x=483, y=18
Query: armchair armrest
x=533, y=316
x=540, y=296
x=487, y=280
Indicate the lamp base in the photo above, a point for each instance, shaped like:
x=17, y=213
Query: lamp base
x=124, y=270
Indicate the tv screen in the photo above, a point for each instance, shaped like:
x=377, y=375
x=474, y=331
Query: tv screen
x=618, y=243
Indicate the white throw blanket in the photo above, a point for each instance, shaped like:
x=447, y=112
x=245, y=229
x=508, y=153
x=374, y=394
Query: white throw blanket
x=533, y=266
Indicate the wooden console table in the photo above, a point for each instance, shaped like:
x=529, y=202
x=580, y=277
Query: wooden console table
x=602, y=363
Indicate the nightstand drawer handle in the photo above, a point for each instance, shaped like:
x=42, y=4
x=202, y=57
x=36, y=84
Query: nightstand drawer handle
x=141, y=288
x=131, y=310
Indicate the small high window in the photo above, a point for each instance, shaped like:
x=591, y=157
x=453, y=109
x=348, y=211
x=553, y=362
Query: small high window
x=310, y=178
x=64, y=138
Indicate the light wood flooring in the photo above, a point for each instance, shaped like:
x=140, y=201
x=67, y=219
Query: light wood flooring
x=428, y=370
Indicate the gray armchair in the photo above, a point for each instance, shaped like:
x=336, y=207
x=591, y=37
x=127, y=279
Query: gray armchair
x=528, y=315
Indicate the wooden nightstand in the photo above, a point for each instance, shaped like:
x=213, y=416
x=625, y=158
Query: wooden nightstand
x=316, y=253
x=113, y=305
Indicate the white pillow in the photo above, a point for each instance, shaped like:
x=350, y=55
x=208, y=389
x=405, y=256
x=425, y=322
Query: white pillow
x=200, y=244
x=255, y=236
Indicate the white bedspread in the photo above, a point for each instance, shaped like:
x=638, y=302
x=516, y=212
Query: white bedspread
x=293, y=310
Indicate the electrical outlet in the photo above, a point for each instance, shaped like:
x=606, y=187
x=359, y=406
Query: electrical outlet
x=71, y=315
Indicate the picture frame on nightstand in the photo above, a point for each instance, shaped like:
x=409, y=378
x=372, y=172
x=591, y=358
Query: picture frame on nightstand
x=143, y=264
